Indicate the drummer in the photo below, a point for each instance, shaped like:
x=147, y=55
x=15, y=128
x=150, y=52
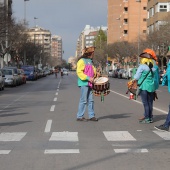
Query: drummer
x=86, y=73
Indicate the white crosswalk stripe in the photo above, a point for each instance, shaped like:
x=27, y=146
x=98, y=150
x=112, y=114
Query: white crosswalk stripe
x=163, y=135
x=15, y=136
x=65, y=137
x=10, y=137
x=118, y=136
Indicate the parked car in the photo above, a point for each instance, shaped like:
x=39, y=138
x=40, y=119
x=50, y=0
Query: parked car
x=30, y=72
x=115, y=73
x=125, y=74
x=161, y=74
x=120, y=72
x=110, y=73
x=65, y=72
x=2, y=80
x=22, y=75
x=10, y=77
x=15, y=70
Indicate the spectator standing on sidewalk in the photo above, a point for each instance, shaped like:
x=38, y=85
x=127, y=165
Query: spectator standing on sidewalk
x=166, y=82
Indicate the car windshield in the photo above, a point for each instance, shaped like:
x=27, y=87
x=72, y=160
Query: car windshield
x=7, y=72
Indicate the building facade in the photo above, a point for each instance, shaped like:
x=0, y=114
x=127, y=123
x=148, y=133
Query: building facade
x=42, y=37
x=158, y=10
x=87, y=38
x=127, y=20
x=56, y=47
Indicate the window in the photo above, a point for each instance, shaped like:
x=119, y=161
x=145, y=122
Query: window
x=126, y=9
x=151, y=12
x=144, y=19
x=125, y=32
x=125, y=21
x=144, y=31
x=144, y=8
x=162, y=7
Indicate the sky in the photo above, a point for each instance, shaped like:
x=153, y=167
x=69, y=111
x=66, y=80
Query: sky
x=66, y=18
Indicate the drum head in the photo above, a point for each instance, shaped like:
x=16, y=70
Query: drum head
x=101, y=80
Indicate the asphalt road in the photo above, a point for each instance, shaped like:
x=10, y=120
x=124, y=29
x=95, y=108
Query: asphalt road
x=39, y=131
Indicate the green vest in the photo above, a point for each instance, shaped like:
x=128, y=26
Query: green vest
x=148, y=84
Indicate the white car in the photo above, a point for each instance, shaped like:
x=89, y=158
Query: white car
x=65, y=72
x=2, y=81
x=10, y=77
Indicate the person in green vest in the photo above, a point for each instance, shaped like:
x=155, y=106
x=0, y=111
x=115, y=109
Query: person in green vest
x=148, y=82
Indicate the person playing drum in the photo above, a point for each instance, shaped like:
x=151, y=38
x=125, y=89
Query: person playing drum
x=86, y=73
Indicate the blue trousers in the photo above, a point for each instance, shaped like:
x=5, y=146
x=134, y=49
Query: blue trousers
x=86, y=98
x=167, y=122
x=147, y=100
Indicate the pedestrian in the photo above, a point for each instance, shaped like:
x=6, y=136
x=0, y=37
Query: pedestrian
x=166, y=82
x=61, y=71
x=86, y=73
x=147, y=77
x=56, y=71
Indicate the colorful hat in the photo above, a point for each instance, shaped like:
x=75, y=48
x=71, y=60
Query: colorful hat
x=148, y=53
x=88, y=50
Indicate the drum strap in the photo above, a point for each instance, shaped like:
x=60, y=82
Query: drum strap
x=102, y=97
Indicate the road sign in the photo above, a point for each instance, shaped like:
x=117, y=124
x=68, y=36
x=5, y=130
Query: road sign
x=7, y=57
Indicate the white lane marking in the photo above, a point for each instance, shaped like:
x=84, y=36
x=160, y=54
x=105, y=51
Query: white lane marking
x=131, y=150
x=4, y=152
x=118, y=136
x=48, y=126
x=139, y=130
x=64, y=136
x=56, y=151
x=55, y=99
x=15, y=136
x=164, y=135
x=56, y=93
x=155, y=108
x=52, y=108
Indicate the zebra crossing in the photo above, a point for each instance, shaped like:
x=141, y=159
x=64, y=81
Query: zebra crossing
x=61, y=138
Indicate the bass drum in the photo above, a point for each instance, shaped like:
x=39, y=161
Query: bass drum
x=101, y=86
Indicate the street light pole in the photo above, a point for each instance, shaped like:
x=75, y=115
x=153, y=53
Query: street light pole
x=139, y=29
x=35, y=21
x=25, y=11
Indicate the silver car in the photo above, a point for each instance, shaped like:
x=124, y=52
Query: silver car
x=2, y=81
x=10, y=77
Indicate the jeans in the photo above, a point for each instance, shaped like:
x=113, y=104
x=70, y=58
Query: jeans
x=147, y=100
x=167, y=122
x=86, y=98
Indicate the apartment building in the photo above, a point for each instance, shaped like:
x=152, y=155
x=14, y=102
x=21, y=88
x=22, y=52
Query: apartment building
x=42, y=37
x=158, y=10
x=87, y=37
x=56, y=47
x=127, y=20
